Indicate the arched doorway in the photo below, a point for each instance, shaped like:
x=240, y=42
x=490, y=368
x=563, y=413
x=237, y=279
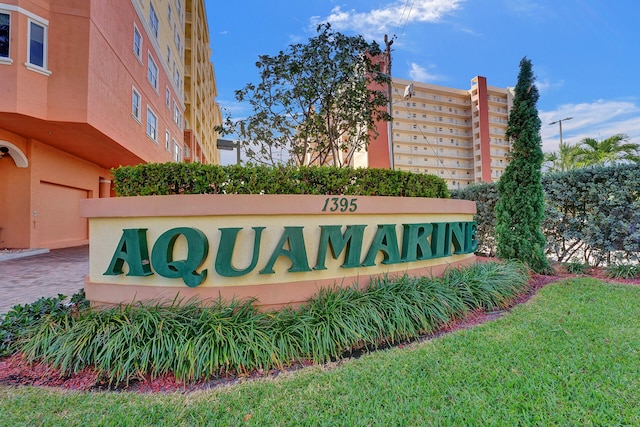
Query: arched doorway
x=14, y=196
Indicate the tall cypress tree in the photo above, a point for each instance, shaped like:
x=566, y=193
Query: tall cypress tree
x=520, y=207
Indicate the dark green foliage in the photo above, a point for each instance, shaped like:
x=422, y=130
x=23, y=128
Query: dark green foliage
x=21, y=317
x=196, y=178
x=315, y=102
x=196, y=342
x=485, y=195
x=592, y=213
x=520, y=207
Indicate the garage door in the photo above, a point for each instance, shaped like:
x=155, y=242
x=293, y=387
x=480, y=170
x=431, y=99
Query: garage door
x=59, y=218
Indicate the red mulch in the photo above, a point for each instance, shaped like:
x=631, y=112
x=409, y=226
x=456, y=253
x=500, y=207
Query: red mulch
x=14, y=370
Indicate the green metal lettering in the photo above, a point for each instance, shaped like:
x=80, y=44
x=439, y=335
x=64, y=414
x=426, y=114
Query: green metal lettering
x=471, y=241
x=224, y=257
x=456, y=232
x=385, y=240
x=440, y=240
x=297, y=252
x=351, y=242
x=197, y=251
x=133, y=250
x=415, y=242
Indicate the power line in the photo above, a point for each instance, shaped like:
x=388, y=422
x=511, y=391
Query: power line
x=406, y=20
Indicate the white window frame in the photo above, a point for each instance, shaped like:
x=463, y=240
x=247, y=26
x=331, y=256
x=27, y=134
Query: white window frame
x=167, y=97
x=176, y=113
x=154, y=23
x=42, y=69
x=134, y=107
x=176, y=76
x=167, y=140
x=137, y=50
x=7, y=59
x=152, y=78
x=152, y=125
x=177, y=152
x=176, y=38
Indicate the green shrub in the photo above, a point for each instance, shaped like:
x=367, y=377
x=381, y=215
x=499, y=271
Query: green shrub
x=20, y=318
x=576, y=267
x=593, y=213
x=195, y=178
x=623, y=271
x=195, y=342
x=485, y=195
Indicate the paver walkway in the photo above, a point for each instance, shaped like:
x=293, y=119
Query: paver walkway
x=24, y=280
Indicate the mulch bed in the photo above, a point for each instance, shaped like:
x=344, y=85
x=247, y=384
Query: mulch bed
x=14, y=370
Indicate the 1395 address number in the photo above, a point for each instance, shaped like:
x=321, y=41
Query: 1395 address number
x=342, y=204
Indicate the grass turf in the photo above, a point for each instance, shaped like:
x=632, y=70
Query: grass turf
x=567, y=357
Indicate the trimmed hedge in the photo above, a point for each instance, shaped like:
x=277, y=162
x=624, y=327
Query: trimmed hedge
x=592, y=213
x=196, y=178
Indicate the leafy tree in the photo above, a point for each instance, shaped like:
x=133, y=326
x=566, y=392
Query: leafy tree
x=562, y=160
x=520, y=207
x=316, y=103
x=614, y=149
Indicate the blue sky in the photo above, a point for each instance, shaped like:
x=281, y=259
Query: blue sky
x=585, y=53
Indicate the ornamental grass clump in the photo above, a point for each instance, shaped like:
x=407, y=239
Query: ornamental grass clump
x=196, y=342
x=488, y=286
x=623, y=271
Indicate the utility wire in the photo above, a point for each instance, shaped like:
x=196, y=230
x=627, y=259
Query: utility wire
x=406, y=20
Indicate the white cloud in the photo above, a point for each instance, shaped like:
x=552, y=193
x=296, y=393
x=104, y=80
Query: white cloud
x=600, y=119
x=393, y=16
x=421, y=74
x=238, y=110
x=546, y=85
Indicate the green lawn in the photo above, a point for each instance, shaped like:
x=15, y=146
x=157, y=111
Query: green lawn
x=570, y=356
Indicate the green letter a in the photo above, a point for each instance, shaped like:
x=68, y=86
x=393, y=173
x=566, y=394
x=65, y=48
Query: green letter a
x=133, y=250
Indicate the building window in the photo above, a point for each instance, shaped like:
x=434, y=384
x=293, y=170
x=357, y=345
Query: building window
x=177, y=152
x=152, y=73
x=37, y=45
x=5, y=34
x=167, y=98
x=137, y=42
x=135, y=104
x=176, y=38
x=176, y=76
x=153, y=20
x=167, y=140
x=152, y=125
x=176, y=113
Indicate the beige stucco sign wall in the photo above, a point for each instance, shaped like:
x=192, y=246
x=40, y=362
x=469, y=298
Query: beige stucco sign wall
x=279, y=249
